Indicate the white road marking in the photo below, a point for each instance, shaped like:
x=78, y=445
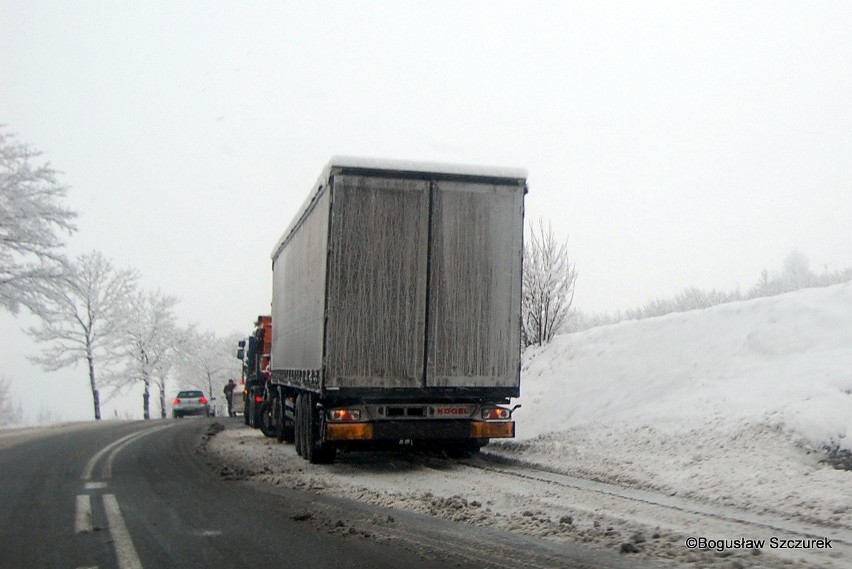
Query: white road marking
x=90, y=466
x=83, y=517
x=107, y=466
x=124, y=550
x=122, y=442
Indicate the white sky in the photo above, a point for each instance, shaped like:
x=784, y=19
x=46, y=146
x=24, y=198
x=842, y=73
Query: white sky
x=677, y=143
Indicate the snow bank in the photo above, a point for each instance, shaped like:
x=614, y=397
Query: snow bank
x=782, y=361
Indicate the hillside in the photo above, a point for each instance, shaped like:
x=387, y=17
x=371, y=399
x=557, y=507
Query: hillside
x=784, y=360
x=735, y=404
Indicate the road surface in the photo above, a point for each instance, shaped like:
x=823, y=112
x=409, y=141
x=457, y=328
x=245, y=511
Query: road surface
x=132, y=495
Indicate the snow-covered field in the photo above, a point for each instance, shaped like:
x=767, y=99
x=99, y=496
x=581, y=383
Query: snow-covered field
x=710, y=423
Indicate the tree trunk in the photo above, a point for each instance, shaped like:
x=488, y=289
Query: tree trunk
x=163, y=400
x=210, y=389
x=146, y=401
x=95, y=396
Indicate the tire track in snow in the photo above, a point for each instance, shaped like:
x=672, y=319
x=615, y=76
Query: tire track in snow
x=690, y=516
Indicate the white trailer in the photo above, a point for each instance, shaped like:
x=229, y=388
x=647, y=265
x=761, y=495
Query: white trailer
x=396, y=308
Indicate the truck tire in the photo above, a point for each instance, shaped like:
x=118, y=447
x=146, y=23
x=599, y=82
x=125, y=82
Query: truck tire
x=315, y=452
x=298, y=417
x=266, y=425
x=308, y=438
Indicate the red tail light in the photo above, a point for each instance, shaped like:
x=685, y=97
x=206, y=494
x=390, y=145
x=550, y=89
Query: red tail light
x=176, y=402
x=344, y=415
x=258, y=399
x=203, y=400
x=496, y=413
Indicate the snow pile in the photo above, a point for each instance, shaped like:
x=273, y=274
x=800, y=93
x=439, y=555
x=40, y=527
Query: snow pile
x=734, y=405
x=784, y=360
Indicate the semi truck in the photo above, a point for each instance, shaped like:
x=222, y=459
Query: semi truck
x=396, y=303
x=254, y=352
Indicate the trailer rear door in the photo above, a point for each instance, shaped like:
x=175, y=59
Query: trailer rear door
x=473, y=337
x=376, y=292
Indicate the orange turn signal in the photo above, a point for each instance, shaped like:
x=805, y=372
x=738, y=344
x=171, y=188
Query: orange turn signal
x=501, y=430
x=348, y=431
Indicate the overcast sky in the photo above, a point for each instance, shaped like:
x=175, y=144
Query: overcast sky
x=674, y=144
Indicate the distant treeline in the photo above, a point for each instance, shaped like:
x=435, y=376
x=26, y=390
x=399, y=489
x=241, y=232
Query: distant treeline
x=794, y=275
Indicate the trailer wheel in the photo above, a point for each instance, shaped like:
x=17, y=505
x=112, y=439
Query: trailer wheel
x=307, y=441
x=267, y=427
x=316, y=452
x=298, y=421
x=308, y=437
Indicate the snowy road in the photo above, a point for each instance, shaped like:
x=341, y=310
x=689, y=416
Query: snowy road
x=496, y=491
x=141, y=495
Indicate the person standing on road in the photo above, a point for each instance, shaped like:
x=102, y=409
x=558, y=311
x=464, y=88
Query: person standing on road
x=229, y=395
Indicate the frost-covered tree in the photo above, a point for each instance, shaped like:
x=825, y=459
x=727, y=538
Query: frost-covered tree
x=167, y=368
x=796, y=272
x=11, y=412
x=209, y=362
x=548, y=286
x=151, y=335
x=33, y=220
x=82, y=315
x=765, y=285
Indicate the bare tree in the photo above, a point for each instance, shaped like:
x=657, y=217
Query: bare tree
x=548, y=286
x=150, y=332
x=32, y=219
x=82, y=314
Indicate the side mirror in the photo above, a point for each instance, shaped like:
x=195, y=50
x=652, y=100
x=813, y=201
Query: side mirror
x=241, y=344
x=241, y=354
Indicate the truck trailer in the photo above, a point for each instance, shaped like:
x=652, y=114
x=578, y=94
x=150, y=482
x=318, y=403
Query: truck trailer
x=396, y=304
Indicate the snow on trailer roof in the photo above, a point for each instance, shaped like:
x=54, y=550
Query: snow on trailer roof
x=389, y=165
x=361, y=163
